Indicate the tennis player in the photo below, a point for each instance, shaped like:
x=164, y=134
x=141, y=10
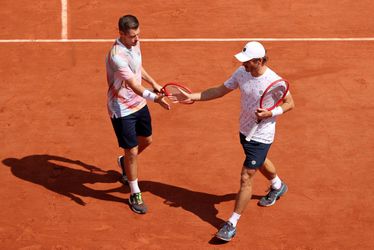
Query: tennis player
x=127, y=105
x=252, y=78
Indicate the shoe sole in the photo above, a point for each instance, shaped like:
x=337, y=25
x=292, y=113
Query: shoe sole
x=281, y=194
x=224, y=239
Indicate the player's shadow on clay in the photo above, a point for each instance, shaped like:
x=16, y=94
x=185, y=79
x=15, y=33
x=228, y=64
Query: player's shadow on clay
x=200, y=203
x=53, y=173
x=69, y=178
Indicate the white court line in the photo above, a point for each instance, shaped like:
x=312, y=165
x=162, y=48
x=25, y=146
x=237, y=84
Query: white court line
x=64, y=19
x=256, y=39
x=64, y=40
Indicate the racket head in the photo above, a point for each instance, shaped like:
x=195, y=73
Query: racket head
x=172, y=90
x=274, y=94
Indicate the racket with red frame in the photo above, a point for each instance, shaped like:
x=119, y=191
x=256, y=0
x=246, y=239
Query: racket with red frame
x=273, y=95
x=174, y=91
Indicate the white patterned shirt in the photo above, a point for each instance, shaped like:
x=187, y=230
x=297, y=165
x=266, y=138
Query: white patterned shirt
x=123, y=64
x=251, y=89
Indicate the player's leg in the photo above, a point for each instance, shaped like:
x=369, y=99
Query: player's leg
x=131, y=167
x=228, y=230
x=143, y=131
x=143, y=142
x=125, y=128
x=277, y=187
x=268, y=170
x=131, y=163
x=245, y=192
x=255, y=153
x=140, y=127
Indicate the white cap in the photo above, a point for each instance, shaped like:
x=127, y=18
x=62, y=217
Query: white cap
x=250, y=51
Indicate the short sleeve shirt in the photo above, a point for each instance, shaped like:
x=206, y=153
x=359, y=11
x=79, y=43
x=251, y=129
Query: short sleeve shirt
x=251, y=89
x=123, y=64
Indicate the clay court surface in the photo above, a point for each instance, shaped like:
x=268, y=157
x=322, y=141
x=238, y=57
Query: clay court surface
x=58, y=172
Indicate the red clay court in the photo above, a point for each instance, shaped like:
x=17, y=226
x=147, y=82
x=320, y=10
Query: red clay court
x=58, y=171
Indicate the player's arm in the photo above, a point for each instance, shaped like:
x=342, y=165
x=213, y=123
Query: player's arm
x=146, y=77
x=210, y=93
x=140, y=90
x=128, y=79
x=288, y=103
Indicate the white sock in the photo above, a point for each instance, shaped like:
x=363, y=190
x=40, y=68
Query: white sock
x=134, y=186
x=276, y=182
x=234, y=218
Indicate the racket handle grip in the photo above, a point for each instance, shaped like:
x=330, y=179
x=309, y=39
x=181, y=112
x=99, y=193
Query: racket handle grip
x=252, y=132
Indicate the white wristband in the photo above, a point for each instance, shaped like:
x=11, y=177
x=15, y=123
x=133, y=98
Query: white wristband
x=149, y=95
x=277, y=111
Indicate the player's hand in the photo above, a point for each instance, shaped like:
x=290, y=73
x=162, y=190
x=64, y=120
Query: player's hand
x=162, y=101
x=262, y=114
x=157, y=88
x=183, y=96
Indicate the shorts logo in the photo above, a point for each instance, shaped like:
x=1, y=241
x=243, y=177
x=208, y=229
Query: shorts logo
x=253, y=162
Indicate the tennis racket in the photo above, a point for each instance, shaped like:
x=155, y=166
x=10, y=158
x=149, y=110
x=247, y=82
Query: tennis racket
x=273, y=95
x=174, y=92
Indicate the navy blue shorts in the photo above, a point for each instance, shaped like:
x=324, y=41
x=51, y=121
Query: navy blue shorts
x=255, y=152
x=128, y=128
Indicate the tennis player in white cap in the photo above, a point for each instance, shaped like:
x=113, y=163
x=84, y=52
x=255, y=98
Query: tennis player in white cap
x=252, y=78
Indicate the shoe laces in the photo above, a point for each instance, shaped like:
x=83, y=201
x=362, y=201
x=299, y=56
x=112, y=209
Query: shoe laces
x=138, y=198
x=227, y=226
x=271, y=194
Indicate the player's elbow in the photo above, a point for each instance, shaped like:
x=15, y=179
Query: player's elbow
x=292, y=105
x=288, y=106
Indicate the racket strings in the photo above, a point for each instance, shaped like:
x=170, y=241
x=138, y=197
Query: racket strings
x=172, y=90
x=175, y=94
x=274, y=95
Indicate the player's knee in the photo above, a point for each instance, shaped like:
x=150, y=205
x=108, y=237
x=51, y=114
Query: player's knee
x=145, y=141
x=247, y=177
x=132, y=152
x=245, y=180
x=148, y=141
